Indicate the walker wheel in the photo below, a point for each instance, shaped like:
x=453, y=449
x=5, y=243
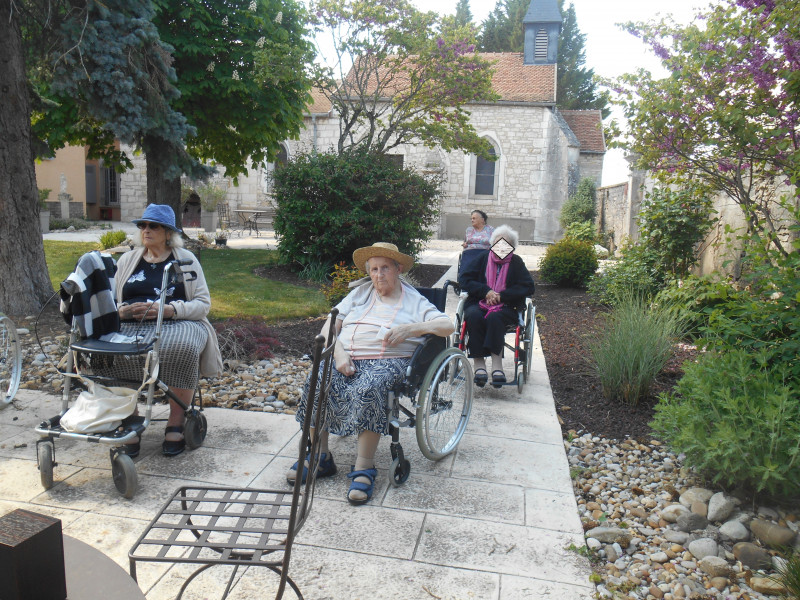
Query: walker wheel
x=194, y=430
x=400, y=470
x=124, y=473
x=44, y=455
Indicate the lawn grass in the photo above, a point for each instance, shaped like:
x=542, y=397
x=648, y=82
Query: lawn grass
x=235, y=290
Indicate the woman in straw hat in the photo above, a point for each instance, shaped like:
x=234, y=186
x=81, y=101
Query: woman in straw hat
x=379, y=325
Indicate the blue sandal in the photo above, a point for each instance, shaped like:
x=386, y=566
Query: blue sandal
x=367, y=488
x=327, y=468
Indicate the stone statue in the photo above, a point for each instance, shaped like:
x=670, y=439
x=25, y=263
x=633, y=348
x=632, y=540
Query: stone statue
x=63, y=180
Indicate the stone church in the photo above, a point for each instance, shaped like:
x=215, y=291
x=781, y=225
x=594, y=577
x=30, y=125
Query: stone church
x=542, y=153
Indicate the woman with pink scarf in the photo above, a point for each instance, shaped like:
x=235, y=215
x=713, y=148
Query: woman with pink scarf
x=497, y=284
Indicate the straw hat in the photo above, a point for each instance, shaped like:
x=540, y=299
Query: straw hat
x=385, y=249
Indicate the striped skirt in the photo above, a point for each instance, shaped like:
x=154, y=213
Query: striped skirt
x=358, y=403
x=179, y=354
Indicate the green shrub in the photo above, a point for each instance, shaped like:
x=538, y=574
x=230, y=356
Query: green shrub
x=111, y=239
x=330, y=204
x=568, y=263
x=633, y=346
x=632, y=274
x=581, y=206
x=671, y=224
x=67, y=223
x=737, y=421
x=693, y=299
x=342, y=275
x=582, y=231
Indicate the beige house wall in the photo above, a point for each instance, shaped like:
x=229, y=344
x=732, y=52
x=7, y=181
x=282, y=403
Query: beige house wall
x=70, y=162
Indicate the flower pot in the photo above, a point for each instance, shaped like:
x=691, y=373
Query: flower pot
x=44, y=221
x=208, y=219
x=221, y=241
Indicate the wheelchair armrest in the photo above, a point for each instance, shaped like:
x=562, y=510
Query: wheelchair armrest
x=422, y=358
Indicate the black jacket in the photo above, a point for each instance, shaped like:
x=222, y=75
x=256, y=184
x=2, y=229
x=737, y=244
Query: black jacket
x=519, y=283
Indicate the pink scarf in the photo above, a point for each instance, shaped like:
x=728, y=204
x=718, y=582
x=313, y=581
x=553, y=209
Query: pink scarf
x=496, y=279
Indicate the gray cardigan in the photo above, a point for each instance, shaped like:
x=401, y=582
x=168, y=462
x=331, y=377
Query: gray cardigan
x=195, y=308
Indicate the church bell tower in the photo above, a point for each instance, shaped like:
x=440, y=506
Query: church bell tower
x=541, y=26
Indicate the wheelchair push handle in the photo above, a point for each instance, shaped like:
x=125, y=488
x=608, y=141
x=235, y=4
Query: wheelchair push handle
x=184, y=262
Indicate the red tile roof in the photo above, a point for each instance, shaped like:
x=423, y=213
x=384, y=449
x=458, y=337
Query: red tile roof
x=516, y=82
x=319, y=103
x=587, y=125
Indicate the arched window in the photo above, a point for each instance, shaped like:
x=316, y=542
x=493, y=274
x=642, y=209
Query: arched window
x=483, y=175
x=540, y=46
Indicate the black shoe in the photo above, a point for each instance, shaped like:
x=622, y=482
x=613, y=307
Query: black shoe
x=173, y=448
x=498, y=379
x=131, y=450
x=481, y=377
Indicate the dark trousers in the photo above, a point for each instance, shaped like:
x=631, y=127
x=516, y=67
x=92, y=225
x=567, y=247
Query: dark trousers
x=486, y=335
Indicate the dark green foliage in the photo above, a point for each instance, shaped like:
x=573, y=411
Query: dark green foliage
x=632, y=274
x=671, y=225
x=111, y=61
x=737, y=420
x=463, y=14
x=584, y=231
x=328, y=205
x=581, y=206
x=502, y=29
x=569, y=263
x=694, y=299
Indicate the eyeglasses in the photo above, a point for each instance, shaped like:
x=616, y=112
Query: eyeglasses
x=153, y=226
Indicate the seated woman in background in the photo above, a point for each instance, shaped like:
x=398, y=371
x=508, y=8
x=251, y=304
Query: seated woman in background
x=479, y=233
x=380, y=324
x=497, y=284
x=188, y=342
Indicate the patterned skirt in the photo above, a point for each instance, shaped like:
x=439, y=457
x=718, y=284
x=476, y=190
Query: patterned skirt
x=358, y=403
x=179, y=354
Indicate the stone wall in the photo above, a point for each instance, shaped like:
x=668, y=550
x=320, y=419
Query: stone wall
x=536, y=167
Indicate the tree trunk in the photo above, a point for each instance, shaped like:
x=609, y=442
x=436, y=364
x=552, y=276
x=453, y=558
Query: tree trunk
x=24, y=281
x=161, y=190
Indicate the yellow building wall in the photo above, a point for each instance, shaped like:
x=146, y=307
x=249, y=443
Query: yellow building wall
x=71, y=161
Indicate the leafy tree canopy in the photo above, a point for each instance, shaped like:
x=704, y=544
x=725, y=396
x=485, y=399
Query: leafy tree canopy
x=241, y=68
x=400, y=77
x=726, y=116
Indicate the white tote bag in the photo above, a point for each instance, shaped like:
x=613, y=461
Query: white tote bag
x=99, y=409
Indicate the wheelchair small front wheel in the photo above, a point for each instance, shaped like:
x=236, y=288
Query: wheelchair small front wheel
x=399, y=471
x=124, y=472
x=45, y=455
x=194, y=430
x=520, y=381
x=445, y=401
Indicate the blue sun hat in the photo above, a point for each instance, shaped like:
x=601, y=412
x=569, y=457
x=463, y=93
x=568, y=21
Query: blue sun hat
x=159, y=213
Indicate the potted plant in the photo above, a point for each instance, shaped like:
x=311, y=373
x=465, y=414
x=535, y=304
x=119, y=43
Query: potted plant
x=221, y=237
x=210, y=195
x=44, y=210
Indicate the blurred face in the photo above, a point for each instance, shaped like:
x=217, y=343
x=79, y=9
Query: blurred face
x=477, y=221
x=502, y=248
x=384, y=274
x=153, y=235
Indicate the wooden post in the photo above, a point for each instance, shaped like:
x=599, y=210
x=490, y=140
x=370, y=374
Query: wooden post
x=31, y=557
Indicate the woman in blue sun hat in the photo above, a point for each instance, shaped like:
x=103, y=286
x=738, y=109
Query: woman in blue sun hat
x=189, y=346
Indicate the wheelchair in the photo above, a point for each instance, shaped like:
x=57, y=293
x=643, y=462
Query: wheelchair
x=77, y=364
x=522, y=347
x=438, y=385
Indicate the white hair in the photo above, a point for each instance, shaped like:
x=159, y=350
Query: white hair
x=174, y=239
x=504, y=231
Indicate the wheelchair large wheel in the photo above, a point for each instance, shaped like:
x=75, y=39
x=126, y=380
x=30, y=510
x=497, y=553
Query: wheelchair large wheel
x=10, y=360
x=124, y=472
x=530, y=323
x=445, y=401
x=44, y=456
x=194, y=430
